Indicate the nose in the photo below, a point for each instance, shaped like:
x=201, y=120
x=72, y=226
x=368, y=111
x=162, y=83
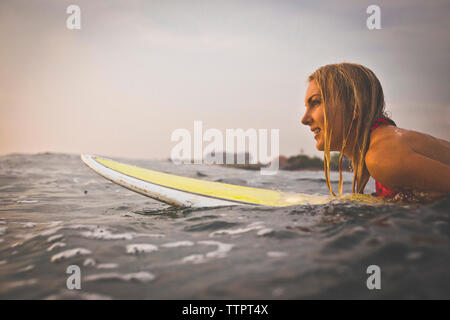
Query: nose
x=307, y=119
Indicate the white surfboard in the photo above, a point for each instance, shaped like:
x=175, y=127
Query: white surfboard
x=189, y=192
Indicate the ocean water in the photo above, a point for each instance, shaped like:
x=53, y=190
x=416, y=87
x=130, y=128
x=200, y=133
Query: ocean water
x=55, y=212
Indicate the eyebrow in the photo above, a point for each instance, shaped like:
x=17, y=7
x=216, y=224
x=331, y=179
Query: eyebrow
x=310, y=98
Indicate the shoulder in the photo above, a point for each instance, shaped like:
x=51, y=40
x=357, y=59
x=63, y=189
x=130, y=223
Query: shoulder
x=386, y=140
x=387, y=150
x=405, y=160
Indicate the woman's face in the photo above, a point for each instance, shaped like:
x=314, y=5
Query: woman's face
x=314, y=118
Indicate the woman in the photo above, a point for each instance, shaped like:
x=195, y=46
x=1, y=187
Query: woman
x=345, y=110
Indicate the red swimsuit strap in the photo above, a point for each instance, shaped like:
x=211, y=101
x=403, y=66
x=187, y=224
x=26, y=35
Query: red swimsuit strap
x=379, y=121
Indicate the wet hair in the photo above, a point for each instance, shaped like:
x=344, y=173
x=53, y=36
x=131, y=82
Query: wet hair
x=359, y=92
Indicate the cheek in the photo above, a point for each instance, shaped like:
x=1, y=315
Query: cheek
x=318, y=116
x=319, y=120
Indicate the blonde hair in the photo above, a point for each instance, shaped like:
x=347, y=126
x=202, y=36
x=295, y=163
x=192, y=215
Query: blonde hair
x=359, y=92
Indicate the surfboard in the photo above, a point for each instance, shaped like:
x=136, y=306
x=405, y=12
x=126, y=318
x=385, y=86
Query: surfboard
x=189, y=192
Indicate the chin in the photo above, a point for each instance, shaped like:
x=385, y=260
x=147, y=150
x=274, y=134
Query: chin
x=319, y=145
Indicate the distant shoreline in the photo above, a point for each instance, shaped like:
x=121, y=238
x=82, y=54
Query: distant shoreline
x=242, y=167
x=299, y=162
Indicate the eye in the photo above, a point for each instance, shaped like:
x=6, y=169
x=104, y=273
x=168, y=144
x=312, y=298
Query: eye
x=314, y=103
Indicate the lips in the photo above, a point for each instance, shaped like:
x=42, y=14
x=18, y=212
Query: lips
x=316, y=131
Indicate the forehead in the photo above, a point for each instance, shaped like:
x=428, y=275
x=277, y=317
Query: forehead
x=312, y=90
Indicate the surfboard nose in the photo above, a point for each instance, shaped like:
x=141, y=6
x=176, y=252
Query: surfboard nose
x=84, y=156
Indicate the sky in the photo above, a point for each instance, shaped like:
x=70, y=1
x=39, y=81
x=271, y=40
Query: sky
x=138, y=70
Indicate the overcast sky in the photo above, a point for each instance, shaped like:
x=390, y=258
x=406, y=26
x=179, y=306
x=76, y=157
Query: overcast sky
x=138, y=70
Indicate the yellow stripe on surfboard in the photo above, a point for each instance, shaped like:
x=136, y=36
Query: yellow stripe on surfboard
x=218, y=190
